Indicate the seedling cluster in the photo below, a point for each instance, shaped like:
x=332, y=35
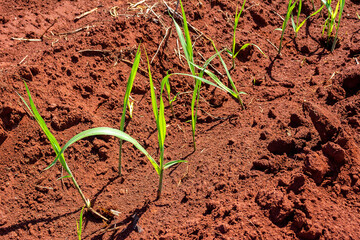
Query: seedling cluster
x=329, y=23
x=197, y=73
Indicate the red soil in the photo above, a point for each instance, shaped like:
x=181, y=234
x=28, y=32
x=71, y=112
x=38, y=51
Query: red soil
x=286, y=167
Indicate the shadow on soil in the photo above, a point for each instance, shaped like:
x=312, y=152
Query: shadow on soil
x=131, y=223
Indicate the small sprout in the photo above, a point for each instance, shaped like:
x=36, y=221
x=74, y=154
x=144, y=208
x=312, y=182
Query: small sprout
x=189, y=55
x=302, y=62
x=296, y=25
x=330, y=21
x=159, y=114
x=55, y=145
x=236, y=21
x=290, y=8
x=198, y=77
x=80, y=223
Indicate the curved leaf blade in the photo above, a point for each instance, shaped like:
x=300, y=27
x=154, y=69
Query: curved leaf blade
x=172, y=163
x=109, y=132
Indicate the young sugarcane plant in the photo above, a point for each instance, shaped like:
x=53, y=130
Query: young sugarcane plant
x=237, y=16
x=234, y=51
x=126, y=103
x=159, y=114
x=198, y=77
x=161, y=126
x=234, y=89
x=55, y=145
x=189, y=55
x=290, y=8
x=330, y=21
x=234, y=54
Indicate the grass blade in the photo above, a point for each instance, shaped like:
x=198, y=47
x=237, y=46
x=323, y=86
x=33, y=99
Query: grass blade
x=126, y=100
x=189, y=48
x=303, y=22
x=109, y=132
x=79, y=224
x=229, y=77
x=172, y=163
x=342, y=5
x=152, y=91
x=194, y=109
x=188, y=51
x=218, y=84
x=236, y=21
x=166, y=78
x=54, y=143
x=288, y=14
x=251, y=44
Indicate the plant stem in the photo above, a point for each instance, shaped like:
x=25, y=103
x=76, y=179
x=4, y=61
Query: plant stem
x=161, y=173
x=160, y=183
x=86, y=201
x=241, y=103
x=120, y=153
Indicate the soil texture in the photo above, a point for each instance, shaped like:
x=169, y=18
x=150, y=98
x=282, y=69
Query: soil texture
x=285, y=167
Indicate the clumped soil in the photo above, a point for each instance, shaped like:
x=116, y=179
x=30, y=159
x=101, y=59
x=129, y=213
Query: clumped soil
x=285, y=167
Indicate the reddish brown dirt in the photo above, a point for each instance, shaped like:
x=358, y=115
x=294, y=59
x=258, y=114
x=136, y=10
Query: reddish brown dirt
x=286, y=167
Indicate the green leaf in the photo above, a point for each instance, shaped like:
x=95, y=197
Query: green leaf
x=194, y=109
x=80, y=223
x=251, y=44
x=236, y=21
x=196, y=77
x=187, y=35
x=186, y=45
x=54, y=143
x=218, y=84
x=328, y=6
x=63, y=177
x=174, y=98
x=342, y=5
x=129, y=86
x=188, y=51
x=172, y=163
x=152, y=91
x=109, y=132
x=293, y=22
x=287, y=17
x=229, y=76
x=313, y=14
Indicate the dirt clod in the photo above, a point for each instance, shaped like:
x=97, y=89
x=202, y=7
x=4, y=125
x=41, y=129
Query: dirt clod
x=282, y=145
x=317, y=166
